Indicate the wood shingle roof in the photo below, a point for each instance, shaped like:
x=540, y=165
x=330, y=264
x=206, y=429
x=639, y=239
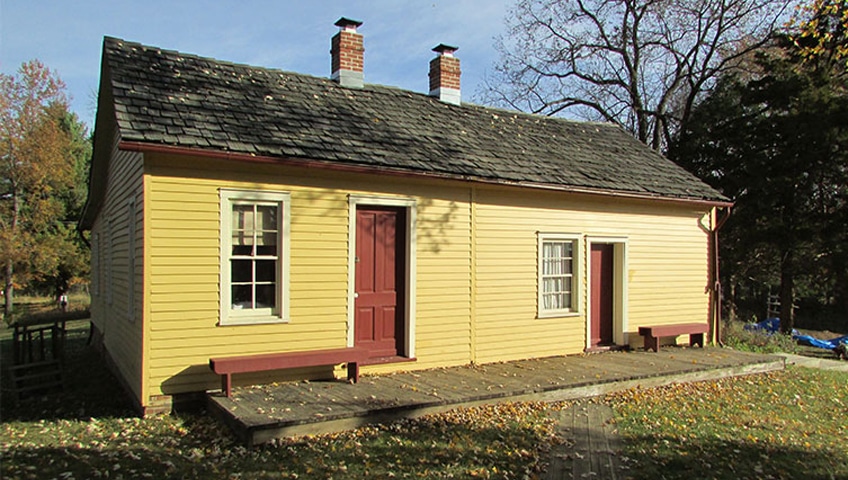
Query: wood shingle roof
x=169, y=98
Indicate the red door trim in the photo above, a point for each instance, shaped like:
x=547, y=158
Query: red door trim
x=602, y=281
x=380, y=280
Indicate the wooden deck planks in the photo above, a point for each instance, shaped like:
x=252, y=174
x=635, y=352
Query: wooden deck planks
x=592, y=429
x=590, y=446
x=259, y=414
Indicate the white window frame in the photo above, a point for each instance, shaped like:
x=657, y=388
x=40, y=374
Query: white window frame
x=279, y=313
x=576, y=255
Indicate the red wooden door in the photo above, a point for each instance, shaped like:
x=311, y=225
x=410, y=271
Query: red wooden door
x=379, y=264
x=601, y=309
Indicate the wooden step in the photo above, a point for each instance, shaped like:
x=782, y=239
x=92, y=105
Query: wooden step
x=40, y=386
x=36, y=365
x=38, y=376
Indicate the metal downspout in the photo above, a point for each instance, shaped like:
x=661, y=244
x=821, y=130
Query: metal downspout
x=716, y=291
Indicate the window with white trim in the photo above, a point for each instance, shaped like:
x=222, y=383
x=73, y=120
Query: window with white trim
x=557, y=283
x=254, y=256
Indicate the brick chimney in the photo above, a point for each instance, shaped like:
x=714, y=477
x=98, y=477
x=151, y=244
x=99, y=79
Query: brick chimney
x=347, y=52
x=444, y=75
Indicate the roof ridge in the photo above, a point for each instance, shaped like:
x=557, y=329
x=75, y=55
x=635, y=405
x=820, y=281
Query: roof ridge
x=367, y=86
x=219, y=61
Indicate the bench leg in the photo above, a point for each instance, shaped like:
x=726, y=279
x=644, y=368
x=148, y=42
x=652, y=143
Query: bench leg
x=696, y=339
x=352, y=372
x=652, y=343
x=227, y=384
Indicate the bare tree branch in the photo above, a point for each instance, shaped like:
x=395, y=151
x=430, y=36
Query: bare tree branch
x=642, y=64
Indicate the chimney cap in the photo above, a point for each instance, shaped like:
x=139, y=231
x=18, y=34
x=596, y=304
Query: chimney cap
x=345, y=23
x=445, y=49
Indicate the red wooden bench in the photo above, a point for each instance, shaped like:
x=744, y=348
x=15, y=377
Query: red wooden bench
x=227, y=366
x=653, y=334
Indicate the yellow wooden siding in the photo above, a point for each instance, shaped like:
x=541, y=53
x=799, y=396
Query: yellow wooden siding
x=184, y=268
x=666, y=255
x=666, y=270
x=443, y=280
x=121, y=324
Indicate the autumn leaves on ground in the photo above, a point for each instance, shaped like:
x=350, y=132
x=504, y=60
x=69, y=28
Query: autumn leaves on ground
x=781, y=425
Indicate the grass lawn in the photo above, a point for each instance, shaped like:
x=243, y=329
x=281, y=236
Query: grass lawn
x=38, y=310
x=783, y=425
x=790, y=424
x=89, y=431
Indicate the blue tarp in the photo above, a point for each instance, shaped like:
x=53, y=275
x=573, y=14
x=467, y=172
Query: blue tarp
x=769, y=325
x=815, y=342
x=772, y=325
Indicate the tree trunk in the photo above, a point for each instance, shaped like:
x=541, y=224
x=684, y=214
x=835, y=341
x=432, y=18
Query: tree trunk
x=9, y=271
x=841, y=296
x=787, y=293
x=731, y=302
x=8, y=291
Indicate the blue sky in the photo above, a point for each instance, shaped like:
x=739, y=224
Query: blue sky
x=67, y=36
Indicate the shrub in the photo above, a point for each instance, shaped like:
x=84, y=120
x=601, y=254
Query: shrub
x=735, y=336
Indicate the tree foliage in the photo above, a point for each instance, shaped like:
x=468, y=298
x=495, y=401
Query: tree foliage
x=43, y=155
x=643, y=64
x=821, y=33
x=777, y=144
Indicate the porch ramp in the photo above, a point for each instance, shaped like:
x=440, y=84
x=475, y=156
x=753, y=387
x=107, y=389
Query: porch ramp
x=261, y=413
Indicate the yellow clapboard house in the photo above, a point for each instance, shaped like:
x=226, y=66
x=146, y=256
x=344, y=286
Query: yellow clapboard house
x=237, y=210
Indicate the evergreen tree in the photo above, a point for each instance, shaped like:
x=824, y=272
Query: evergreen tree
x=777, y=144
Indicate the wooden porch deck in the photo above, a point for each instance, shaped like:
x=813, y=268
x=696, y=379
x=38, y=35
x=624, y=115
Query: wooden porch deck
x=259, y=414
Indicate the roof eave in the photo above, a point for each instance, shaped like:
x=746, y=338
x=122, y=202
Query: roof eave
x=105, y=125
x=336, y=166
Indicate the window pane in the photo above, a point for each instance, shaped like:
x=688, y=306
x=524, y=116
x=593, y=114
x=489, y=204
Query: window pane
x=266, y=270
x=242, y=230
x=254, y=254
x=242, y=271
x=266, y=296
x=549, y=285
x=266, y=218
x=243, y=217
x=266, y=243
x=242, y=297
x=556, y=258
x=266, y=238
x=562, y=266
x=556, y=250
x=242, y=250
x=557, y=274
x=555, y=302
